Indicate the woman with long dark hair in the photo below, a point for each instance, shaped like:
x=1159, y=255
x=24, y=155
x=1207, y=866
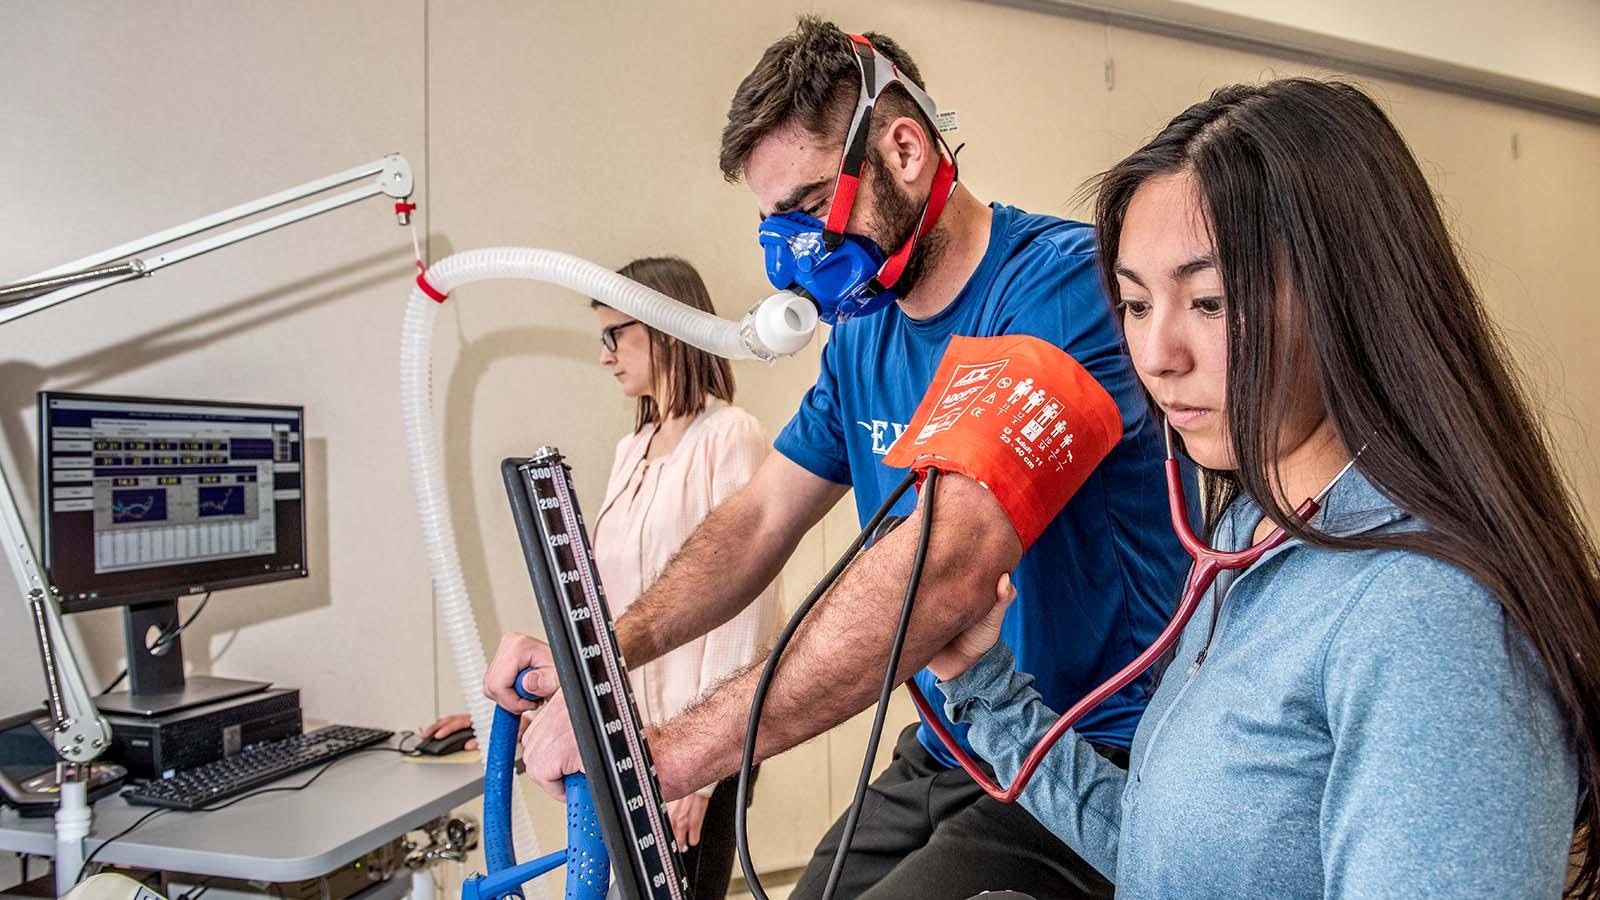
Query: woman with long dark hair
x=1401, y=699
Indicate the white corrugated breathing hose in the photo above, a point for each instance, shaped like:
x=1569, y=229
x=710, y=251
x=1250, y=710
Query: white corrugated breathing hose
x=779, y=326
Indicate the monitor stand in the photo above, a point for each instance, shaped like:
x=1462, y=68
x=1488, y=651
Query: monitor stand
x=155, y=680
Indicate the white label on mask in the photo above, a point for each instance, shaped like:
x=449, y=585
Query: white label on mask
x=947, y=120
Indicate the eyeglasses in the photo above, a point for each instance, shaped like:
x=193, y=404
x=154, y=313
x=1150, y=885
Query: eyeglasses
x=608, y=336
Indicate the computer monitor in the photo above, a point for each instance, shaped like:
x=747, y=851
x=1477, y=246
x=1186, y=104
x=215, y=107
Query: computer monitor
x=145, y=500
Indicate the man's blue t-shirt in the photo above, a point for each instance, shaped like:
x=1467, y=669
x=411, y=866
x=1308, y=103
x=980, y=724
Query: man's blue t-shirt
x=1101, y=582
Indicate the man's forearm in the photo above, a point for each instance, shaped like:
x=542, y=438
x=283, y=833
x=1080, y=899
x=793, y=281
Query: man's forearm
x=723, y=566
x=834, y=667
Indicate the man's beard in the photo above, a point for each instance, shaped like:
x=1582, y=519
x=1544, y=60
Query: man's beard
x=896, y=215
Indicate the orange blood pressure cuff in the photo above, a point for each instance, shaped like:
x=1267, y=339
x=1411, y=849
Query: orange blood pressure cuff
x=1017, y=415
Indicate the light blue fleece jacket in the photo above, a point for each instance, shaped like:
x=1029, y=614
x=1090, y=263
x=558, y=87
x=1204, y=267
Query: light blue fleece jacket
x=1363, y=724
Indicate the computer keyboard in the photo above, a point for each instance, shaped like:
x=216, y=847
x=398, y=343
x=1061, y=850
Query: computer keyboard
x=212, y=783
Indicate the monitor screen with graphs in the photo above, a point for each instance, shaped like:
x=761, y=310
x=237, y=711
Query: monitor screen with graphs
x=147, y=499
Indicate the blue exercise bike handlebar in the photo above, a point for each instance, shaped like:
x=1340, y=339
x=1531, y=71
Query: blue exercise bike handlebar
x=588, y=866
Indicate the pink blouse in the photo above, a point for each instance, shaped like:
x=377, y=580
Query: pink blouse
x=650, y=509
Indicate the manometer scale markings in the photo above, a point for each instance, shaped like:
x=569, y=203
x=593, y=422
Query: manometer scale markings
x=567, y=551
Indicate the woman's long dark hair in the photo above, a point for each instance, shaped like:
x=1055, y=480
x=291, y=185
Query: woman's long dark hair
x=1313, y=196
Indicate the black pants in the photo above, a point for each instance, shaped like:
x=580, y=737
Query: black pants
x=709, y=864
x=930, y=833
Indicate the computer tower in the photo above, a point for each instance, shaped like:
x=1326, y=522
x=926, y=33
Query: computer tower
x=152, y=746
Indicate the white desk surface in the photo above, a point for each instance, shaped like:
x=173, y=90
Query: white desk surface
x=361, y=803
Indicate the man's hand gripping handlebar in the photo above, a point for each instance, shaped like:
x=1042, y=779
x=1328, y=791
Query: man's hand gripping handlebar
x=588, y=867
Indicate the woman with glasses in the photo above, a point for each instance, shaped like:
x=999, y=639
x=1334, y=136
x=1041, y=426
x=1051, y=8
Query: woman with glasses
x=689, y=450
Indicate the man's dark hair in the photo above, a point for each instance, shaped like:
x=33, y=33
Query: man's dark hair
x=809, y=79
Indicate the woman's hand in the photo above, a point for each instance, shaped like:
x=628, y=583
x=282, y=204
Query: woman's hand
x=968, y=646
x=447, y=726
x=688, y=816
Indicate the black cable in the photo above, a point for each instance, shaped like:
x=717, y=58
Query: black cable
x=114, y=682
x=196, y=891
x=114, y=838
x=165, y=638
x=759, y=701
x=889, y=684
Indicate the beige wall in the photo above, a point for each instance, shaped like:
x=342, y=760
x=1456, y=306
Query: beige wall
x=120, y=120
x=1549, y=42
x=590, y=128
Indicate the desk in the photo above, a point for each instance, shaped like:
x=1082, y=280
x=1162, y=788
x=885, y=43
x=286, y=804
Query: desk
x=364, y=801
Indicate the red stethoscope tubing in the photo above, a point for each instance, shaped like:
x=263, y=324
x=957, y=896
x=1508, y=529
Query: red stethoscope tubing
x=1208, y=563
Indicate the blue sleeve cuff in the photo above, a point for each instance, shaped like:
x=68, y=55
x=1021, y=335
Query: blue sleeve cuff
x=1077, y=793
x=797, y=451
x=987, y=678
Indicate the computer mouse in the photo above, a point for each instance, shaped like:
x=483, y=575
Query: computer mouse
x=443, y=746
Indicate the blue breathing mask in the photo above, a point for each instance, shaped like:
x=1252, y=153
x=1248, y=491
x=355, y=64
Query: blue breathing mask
x=846, y=275
x=840, y=281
